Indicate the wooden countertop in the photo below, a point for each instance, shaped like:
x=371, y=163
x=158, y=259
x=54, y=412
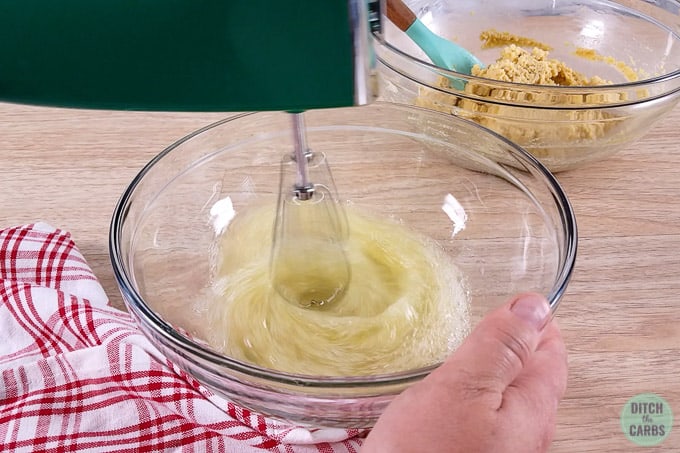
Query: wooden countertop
x=621, y=313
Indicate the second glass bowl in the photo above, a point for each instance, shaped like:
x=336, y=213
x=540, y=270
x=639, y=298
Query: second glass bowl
x=634, y=44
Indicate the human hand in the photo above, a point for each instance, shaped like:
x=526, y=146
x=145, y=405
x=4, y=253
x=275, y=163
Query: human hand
x=498, y=392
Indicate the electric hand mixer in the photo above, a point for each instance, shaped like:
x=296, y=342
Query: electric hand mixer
x=211, y=55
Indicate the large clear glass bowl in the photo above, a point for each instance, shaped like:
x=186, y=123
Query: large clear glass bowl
x=565, y=127
x=513, y=230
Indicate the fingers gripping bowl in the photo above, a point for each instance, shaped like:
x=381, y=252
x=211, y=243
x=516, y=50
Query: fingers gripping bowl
x=404, y=175
x=633, y=46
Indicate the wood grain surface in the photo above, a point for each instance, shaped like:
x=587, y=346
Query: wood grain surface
x=620, y=316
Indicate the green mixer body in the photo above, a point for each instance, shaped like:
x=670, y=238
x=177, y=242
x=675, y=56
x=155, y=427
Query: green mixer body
x=188, y=55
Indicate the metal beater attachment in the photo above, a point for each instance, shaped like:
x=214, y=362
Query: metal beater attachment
x=309, y=267
x=304, y=190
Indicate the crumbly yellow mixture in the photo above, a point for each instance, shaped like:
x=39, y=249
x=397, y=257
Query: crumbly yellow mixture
x=548, y=134
x=534, y=67
x=591, y=54
x=494, y=38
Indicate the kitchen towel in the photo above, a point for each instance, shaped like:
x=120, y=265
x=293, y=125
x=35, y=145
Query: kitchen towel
x=77, y=374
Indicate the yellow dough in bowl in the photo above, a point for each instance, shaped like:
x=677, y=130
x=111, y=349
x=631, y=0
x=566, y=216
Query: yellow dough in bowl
x=405, y=307
x=571, y=127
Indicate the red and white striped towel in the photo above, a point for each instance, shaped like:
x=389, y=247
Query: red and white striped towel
x=77, y=375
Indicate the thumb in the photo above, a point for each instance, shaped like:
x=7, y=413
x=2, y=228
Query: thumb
x=497, y=350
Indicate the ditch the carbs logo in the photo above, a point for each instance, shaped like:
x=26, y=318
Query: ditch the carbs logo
x=646, y=419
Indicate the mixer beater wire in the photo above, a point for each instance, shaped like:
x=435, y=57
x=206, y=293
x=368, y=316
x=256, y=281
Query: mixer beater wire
x=304, y=190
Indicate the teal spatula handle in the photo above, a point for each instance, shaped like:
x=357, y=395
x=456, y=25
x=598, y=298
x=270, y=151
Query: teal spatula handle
x=208, y=55
x=442, y=52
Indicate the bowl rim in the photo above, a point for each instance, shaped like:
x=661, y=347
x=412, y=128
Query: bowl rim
x=146, y=317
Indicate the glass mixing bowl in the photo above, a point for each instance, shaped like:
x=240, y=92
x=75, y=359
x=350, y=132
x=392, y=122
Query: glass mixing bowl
x=508, y=228
x=565, y=127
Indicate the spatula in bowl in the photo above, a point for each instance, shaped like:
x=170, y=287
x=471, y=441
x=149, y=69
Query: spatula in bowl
x=442, y=52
